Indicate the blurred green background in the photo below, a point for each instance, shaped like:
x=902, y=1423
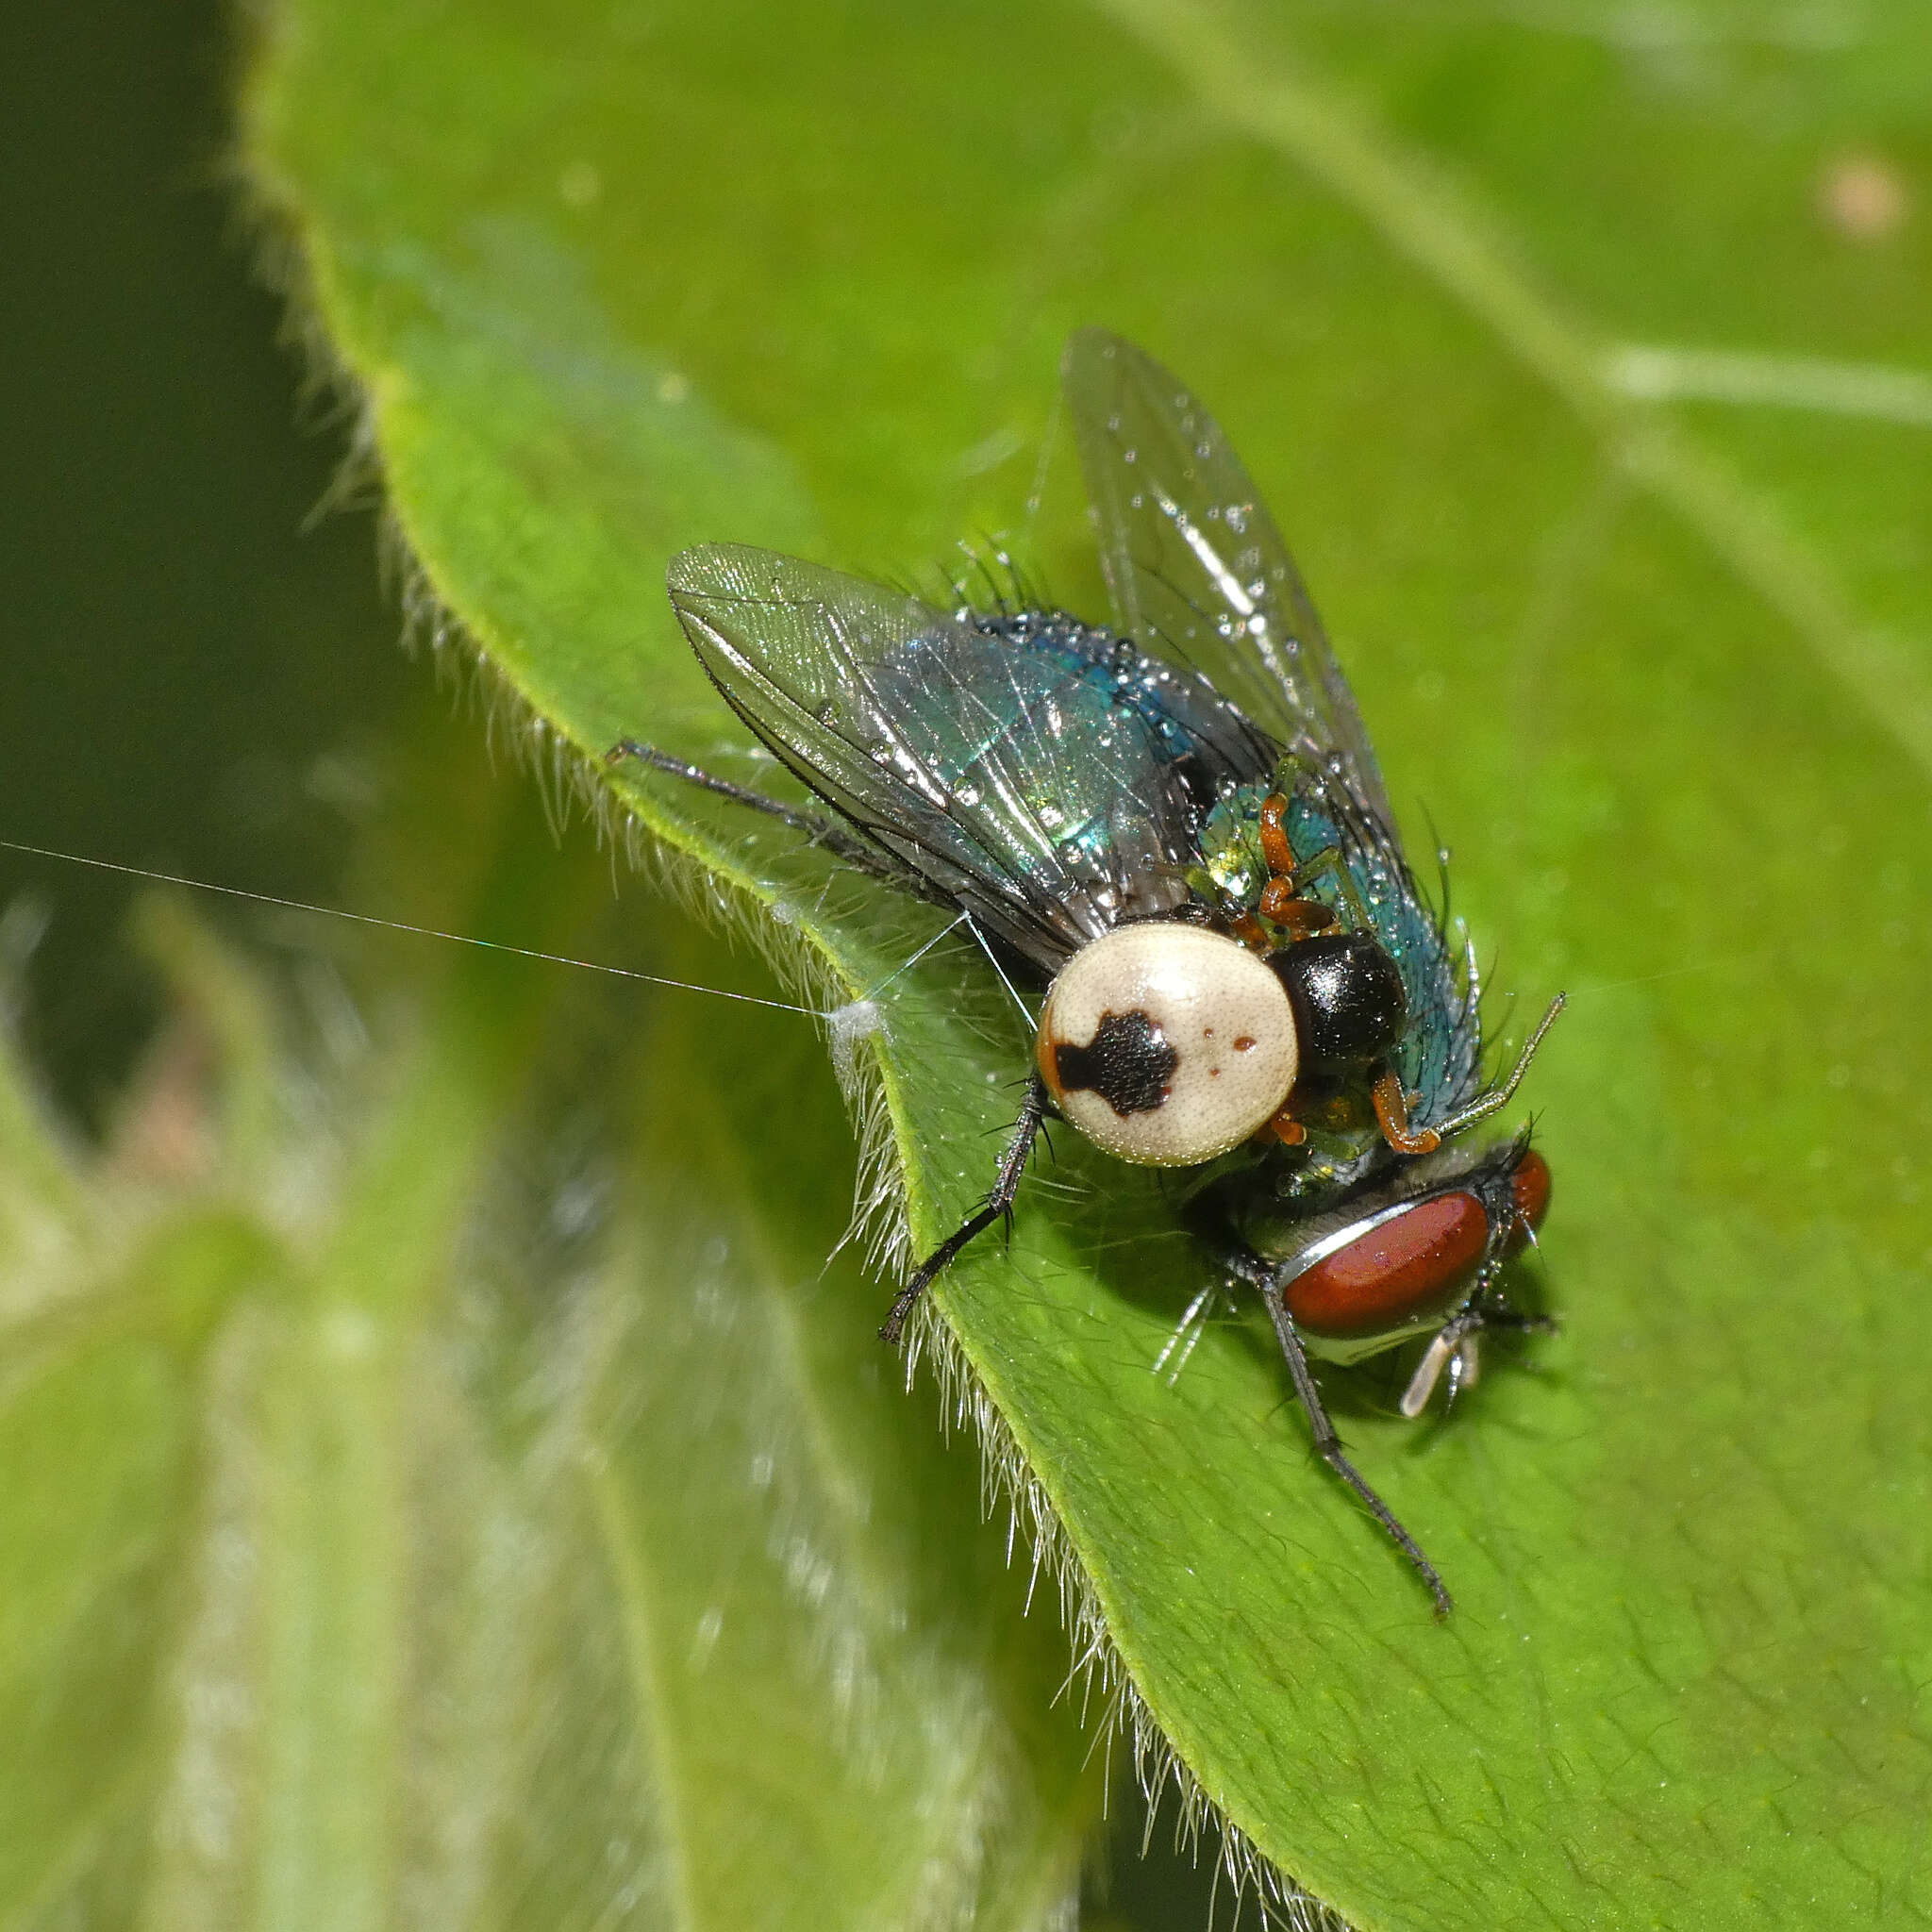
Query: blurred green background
x=194, y=659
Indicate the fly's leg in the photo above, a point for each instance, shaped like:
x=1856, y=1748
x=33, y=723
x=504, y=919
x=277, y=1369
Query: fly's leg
x=812, y=824
x=1328, y=1446
x=816, y=827
x=1391, y=1103
x=998, y=1206
x=1495, y=1098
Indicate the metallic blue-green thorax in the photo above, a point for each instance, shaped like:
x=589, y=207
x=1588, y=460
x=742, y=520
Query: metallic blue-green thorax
x=1437, y=1058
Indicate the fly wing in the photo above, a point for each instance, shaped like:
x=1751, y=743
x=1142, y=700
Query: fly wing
x=989, y=772
x=1197, y=569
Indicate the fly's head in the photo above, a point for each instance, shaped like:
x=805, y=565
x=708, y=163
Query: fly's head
x=1417, y=1255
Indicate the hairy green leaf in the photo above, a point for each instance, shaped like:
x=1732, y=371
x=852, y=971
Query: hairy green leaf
x=1584, y=357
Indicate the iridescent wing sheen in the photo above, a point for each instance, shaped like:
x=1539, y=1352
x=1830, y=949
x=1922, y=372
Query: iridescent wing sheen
x=1197, y=570
x=1003, y=777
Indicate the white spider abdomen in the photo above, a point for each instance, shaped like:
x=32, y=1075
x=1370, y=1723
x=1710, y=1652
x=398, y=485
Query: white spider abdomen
x=1166, y=1043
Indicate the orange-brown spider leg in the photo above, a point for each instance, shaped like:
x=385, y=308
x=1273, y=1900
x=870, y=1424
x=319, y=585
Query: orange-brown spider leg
x=1249, y=930
x=1299, y=917
x=1280, y=902
x=1278, y=855
x=1391, y=1116
x=1288, y=875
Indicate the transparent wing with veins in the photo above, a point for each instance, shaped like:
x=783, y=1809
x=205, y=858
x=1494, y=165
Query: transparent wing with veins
x=1006, y=779
x=1197, y=570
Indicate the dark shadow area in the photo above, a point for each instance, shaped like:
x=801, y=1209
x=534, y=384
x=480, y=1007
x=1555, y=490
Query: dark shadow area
x=1164, y=1888
x=186, y=664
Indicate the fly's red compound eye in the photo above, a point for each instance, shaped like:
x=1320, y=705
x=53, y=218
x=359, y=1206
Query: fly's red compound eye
x=1400, y=1272
x=1530, y=1186
x=1415, y=1263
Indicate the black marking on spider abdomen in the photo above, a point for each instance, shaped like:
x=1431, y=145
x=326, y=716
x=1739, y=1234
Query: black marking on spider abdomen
x=1129, y=1064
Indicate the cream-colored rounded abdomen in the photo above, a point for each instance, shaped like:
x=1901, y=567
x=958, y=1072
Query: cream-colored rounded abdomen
x=1167, y=1045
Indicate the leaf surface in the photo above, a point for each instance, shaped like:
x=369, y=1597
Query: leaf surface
x=1585, y=364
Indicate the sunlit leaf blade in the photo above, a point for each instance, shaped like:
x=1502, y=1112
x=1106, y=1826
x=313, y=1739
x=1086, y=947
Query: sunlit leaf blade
x=1647, y=635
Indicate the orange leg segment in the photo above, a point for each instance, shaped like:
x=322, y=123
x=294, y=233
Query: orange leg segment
x=1249, y=930
x=1301, y=917
x=1278, y=855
